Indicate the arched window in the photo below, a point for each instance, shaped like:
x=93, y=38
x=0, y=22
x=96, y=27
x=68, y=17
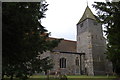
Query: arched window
x=77, y=61
x=62, y=63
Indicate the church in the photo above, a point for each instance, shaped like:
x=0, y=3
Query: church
x=84, y=56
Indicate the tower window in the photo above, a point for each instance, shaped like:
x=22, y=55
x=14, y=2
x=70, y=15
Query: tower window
x=92, y=36
x=62, y=63
x=95, y=23
x=77, y=61
x=79, y=38
x=81, y=25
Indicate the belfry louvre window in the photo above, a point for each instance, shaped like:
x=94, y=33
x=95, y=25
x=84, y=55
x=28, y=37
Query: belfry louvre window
x=62, y=63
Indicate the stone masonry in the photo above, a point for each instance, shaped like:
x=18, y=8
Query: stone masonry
x=91, y=42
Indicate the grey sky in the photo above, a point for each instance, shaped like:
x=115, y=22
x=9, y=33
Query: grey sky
x=63, y=15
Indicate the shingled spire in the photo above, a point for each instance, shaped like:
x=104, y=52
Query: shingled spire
x=87, y=14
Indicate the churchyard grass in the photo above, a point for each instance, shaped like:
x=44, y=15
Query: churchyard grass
x=71, y=77
x=84, y=76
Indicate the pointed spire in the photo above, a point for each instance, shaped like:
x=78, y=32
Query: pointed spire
x=87, y=14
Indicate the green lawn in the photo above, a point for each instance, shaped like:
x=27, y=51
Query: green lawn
x=84, y=76
x=75, y=77
x=72, y=77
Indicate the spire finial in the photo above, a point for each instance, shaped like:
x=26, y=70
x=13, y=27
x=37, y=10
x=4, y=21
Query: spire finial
x=87, y=2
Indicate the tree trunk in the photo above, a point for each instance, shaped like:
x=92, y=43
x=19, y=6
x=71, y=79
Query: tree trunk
x=2, y=76
x=11, y=78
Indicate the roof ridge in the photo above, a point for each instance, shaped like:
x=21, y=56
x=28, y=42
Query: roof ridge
x=69, y=40
x=62, y=38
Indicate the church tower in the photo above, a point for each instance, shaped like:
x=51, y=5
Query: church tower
x=90, y=41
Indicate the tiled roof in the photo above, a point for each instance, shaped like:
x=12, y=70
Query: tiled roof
x=66, y=46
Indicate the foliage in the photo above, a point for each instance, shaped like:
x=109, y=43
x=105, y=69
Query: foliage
x=23, y=39
x=109, y=15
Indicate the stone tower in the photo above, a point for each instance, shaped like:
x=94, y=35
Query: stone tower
x=90, y=41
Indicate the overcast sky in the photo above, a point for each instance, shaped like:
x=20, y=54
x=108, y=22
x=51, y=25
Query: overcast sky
x=63, y=15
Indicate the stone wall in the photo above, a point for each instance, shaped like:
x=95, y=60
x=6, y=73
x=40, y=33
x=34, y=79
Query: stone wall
x=84, y=45
x=90, y=41
x=71, y=68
